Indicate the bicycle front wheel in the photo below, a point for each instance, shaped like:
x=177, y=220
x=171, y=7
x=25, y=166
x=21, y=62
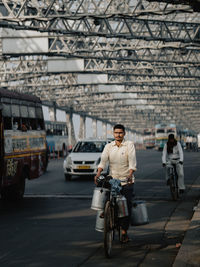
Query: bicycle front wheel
x=173, y=188
x=108, y=229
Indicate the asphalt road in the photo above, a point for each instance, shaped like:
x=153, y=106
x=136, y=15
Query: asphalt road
x=54, y=225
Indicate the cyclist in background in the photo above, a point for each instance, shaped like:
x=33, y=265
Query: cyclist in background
x=121, y=156
x=173, y=151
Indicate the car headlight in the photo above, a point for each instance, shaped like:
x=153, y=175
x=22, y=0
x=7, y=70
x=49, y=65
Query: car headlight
x=98, y=161
x=68, y=161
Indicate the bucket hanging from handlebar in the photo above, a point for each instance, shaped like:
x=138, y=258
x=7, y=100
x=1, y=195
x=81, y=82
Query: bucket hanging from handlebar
x=139, y=215
x=99, y=198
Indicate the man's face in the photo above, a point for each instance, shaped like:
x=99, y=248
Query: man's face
x=119, y=134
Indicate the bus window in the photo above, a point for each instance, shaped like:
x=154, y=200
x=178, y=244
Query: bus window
x=31, y=112
x=24, y=111
x=39, y=113
x=7, y=121
x=16, y=125
x=15, y=110
x=33, y=123
x=6, y=110
x=40, y=124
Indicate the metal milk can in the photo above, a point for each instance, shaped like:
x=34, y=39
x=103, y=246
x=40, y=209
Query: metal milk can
x=99, y=198
x=139, y=214
x=122, y=206
x=99, y=222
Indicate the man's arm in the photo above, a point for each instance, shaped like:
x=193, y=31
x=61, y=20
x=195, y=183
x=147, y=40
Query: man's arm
x=130, y=176
x=102, y=164
x=164, y=155
x=180, y=152
x=132, y=158
x=132, y=161
x=99, y=170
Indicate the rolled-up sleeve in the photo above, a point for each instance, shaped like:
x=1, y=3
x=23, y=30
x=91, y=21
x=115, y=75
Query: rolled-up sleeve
x=180, y=151
x=132, y=156
x=104, y=157
x=164, y=154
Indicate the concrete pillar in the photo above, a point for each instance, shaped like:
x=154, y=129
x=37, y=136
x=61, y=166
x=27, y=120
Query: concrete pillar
x=128, y=135
x=52, y=113
x=104, y=126
x=82, y=127
x=94, y=128
x=71, y=133
x=132, y=137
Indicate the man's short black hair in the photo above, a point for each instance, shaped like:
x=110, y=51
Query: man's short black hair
x=119, y=126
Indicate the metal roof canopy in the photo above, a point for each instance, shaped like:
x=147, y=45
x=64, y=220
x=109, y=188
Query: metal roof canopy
x=150, y=48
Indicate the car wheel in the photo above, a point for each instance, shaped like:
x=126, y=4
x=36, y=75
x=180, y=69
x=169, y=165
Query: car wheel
x=68, y=177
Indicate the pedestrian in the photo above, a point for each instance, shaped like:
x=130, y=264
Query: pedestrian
x=121, y=156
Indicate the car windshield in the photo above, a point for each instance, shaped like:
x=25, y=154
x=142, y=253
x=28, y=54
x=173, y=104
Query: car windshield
x=88, y=146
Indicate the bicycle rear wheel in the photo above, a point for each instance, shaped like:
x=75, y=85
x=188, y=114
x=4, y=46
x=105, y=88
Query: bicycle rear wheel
x=108, y=229
x=174, y=188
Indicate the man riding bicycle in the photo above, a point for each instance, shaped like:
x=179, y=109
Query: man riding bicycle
x=173, y=153
x=122, y=164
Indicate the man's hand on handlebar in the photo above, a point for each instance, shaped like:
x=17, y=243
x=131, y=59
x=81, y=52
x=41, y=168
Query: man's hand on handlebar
x=129, y=179
x=164, y=164
x=95, y=179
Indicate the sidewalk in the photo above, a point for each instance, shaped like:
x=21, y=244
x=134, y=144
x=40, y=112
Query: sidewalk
x=189, y=253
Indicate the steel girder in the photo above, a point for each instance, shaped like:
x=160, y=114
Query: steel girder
x=139, y=44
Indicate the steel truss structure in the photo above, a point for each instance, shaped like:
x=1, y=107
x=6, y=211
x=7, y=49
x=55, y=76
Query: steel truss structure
x=148, y=50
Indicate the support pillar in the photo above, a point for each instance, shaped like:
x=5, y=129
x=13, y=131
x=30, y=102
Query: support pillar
x=128, y=135
x=104, y=126
x=52, y=113
x=71, y=133
x=94, y=128
x=82, y=127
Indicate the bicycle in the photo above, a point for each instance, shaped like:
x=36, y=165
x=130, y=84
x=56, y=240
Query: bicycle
x=173, y=180
x=111, y=219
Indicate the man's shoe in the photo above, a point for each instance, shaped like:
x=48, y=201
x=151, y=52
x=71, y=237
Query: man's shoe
x=168, y=181
x=181, y=191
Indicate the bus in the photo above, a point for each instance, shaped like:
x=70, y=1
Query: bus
x=162, y=132
x=57, y=137
x=23, y=151
x=149, y=138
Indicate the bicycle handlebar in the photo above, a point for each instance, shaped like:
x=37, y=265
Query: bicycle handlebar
x=103, y=179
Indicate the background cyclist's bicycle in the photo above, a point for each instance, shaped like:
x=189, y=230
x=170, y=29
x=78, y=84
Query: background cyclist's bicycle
x=173, y=180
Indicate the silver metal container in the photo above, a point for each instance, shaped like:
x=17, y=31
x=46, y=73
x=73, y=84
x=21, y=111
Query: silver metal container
x=99, y=198
x=99, y=222
x=139, y=215
x=122, y=206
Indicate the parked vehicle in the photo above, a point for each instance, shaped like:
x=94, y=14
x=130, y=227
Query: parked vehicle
x=84, y=158
x=57, y=137
x=23, y=151
x=149, y=138
x=161, y=134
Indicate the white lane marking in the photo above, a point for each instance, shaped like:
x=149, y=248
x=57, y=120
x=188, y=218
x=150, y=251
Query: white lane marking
x=56, y=196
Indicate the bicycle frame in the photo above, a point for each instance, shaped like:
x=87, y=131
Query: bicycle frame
x=173, y=176
x=111, y=224
x=111, y=219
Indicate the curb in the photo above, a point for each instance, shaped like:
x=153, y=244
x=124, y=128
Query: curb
x=189, y=253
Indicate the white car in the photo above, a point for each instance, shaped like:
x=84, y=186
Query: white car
x=84, y=158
